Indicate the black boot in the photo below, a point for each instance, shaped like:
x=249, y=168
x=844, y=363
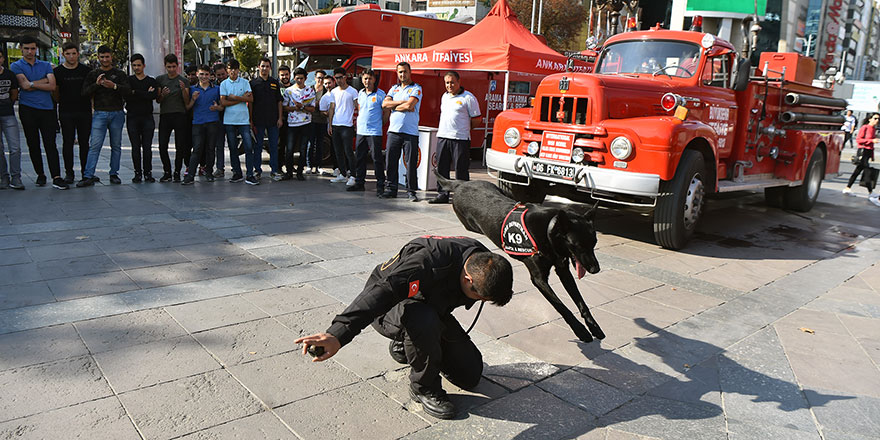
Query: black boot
x=435, y=402
x=395, y=348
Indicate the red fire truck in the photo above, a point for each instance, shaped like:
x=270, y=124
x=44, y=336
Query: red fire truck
x=666, y=118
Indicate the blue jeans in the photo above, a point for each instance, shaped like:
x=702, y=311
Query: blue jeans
x=101, y=122
x=251, y=158
x=272, y=132
x=9, y=131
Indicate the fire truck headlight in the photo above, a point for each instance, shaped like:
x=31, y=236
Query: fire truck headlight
x=621, y=148
x=512, y=137
x=533, y=148
x=577, y=154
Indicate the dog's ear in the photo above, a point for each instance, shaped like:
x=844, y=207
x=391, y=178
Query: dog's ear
x=560, y=224
x=591, y=214
x=583, y=210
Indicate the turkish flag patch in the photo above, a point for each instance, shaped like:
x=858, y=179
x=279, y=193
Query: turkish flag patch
x=413, y=288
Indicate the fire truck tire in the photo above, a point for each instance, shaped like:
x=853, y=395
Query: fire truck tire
x=802, y=198
x=680, y=203
x=523, y=193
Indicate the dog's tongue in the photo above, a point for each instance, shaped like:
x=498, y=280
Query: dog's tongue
x=580, y=269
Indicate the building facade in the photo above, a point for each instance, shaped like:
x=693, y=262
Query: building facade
x=35, y=18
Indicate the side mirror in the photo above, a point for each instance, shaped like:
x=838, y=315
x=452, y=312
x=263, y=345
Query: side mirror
x=743, y=70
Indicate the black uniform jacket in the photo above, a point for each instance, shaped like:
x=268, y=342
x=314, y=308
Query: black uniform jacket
x=426, y=269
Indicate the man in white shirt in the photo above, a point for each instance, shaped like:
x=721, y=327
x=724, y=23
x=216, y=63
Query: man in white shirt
x=459, y=114
x=341, y=127
x=299, y=102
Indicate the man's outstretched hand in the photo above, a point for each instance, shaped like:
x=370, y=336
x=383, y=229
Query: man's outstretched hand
x=329, y=342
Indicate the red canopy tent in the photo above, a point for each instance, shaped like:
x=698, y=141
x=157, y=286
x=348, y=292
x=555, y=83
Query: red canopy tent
x=498, y=43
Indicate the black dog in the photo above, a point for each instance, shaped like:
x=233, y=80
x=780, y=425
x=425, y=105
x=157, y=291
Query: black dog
x=541, y=237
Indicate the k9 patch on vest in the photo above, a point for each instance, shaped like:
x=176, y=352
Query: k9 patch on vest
x=515, y=237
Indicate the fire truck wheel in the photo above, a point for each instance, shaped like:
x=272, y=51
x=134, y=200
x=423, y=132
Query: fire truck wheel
x=680, y=203
x=802, y=198
x=521, y=193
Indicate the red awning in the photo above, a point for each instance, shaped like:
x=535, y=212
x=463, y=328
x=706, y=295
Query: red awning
x=497, y=43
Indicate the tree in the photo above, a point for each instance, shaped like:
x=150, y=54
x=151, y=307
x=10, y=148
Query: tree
x=329, y=8
x=107, y=21
x=561, y=23
x=247, y=52
x=70, y=19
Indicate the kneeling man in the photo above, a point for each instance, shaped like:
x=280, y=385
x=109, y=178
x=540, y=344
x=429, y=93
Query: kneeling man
x=410, y=298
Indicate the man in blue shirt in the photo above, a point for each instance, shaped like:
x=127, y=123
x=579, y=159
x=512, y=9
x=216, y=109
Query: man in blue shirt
x=404, y=100
x=36, y=110
x=369, y=133
x=205, y=104
x=235, y=94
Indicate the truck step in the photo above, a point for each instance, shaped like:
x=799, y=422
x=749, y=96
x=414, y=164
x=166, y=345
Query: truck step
x=729, y=185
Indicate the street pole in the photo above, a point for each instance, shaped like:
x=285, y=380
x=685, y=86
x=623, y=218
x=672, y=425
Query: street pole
x=540, y=14
x=532, y=29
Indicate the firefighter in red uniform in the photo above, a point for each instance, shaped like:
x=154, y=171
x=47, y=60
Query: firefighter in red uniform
x=410, y=298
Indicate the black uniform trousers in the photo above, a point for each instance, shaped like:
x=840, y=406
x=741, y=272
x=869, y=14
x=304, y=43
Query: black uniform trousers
x=433, y=343
x=409, y=145
x=75, y=126
x=370, y=145
x=453, y=151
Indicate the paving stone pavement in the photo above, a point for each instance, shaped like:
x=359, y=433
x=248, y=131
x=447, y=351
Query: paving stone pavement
x=159, y=311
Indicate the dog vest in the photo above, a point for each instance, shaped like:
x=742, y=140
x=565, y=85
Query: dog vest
x=515, y=237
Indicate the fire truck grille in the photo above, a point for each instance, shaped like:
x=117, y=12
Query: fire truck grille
x=564, y=110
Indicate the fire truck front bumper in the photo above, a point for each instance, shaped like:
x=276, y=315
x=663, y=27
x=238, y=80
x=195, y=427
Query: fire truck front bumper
x=602, y=183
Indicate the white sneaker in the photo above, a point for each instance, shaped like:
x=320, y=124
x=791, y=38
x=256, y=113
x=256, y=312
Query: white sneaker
x=847, y=191
x=350, y=182
x=339, y=178
x=875, y=199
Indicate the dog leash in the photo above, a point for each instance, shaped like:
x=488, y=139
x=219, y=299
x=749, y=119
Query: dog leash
x=476, y=317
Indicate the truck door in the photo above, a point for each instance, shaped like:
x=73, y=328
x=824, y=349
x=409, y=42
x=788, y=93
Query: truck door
x=719, y=100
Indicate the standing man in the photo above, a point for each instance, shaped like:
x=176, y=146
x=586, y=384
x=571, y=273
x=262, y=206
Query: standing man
x=459, y=114
x=404, y=100
x=341, y=117
x=284, y=83
x=173, y=97
x=106, y=86
x=36, y=110
x=849, y=126
x=319, y=125
x=74, y=112
x=299, y=101
x=266, y=114
x=369, y=133
x=9, y=177
x=141, y=125
x=206, y=124
x=410, y=298
x=220, y=75
x=324, y=109
x=235, y=94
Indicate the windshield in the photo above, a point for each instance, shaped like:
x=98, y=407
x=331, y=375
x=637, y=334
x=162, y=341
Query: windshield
x=325, y=62
x=673, y=58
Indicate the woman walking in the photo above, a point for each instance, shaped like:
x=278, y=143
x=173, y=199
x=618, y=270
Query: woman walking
x=865, y=140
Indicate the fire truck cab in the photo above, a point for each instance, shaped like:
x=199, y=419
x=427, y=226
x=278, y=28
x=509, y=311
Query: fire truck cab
x=666, y=118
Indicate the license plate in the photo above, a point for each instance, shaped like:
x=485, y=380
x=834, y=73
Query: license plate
x=563, y=171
